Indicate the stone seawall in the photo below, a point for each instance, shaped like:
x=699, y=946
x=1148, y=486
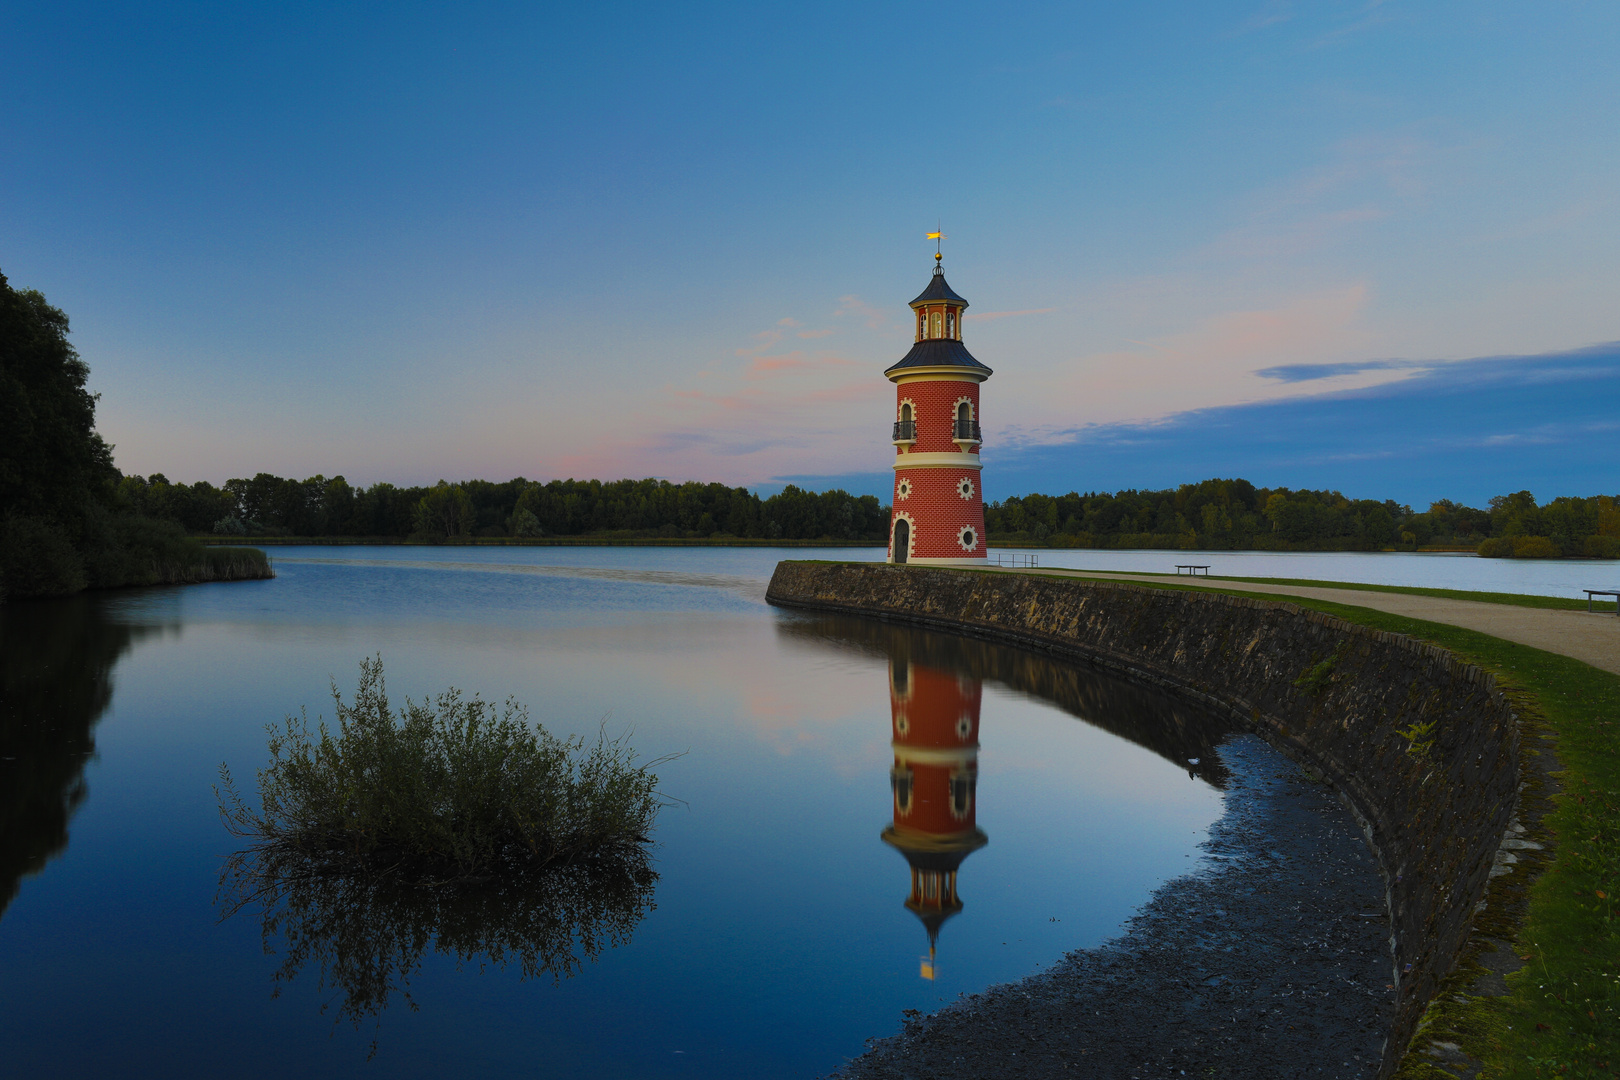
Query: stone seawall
x=1423, y=748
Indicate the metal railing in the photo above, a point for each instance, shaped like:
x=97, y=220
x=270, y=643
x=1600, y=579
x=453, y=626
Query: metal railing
x=905, y=431
x=1013, y=558
x=966, y=431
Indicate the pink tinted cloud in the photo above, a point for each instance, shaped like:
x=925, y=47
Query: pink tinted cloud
x=794, y=361
x=875, y=317
x=1007, y=314
x=1214, y=363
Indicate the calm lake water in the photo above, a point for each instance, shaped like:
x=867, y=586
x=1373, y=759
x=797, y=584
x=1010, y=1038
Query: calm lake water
x=778, y=938
x=778, y=935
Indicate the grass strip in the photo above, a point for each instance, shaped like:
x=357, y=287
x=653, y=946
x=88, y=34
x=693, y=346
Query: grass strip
x=1552, y=603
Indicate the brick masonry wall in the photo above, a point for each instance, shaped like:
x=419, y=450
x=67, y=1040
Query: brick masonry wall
x=934, y=407
x=939, y=512
x=1334, y=695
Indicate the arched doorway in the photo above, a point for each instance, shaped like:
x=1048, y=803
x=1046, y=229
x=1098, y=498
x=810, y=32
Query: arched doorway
x=902, y=539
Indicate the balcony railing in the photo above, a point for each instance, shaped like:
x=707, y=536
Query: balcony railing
x=966, y=431
x=905, y=431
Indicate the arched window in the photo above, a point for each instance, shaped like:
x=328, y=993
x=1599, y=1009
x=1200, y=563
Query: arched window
x=964, y=412
x=900, y=783
x=905, y=413
x=962, y=784
x=950, y=325
x=936, y=324
x=922, y=324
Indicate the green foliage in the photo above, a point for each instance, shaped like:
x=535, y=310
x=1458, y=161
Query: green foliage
x=51, y=460
x=1316, y=678
x=1601, y=547
x=1236, y=515
x=317, y=507
x=1529, y=547
x=69, y=521
x=37, y=559
x=445, y=512
x=449, y=786
x=524, y=523
x=1419, y=738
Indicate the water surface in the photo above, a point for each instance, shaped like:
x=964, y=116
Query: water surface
x=777, y=936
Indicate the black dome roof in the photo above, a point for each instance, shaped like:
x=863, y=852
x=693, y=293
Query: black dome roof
x=937, y=291
x=939, y=352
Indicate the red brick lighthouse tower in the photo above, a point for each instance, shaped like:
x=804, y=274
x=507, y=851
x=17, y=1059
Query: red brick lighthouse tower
x=938, y=500
x=935, y=779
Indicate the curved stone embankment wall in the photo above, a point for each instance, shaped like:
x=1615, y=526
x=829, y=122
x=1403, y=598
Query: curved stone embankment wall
x=1422, y=746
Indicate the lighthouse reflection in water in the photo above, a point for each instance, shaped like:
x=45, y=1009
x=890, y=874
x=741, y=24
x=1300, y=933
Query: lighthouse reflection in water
x=935, y=728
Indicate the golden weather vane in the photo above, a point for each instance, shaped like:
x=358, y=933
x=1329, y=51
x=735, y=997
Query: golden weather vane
x=938, y=238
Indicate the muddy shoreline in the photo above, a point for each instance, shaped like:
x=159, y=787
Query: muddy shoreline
x=1270, y=959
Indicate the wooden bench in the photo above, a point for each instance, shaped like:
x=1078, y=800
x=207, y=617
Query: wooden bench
x=1603, y=592
x=1192, y=569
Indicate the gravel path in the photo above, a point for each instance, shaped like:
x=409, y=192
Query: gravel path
x=1593, y=638
x=1270, y=960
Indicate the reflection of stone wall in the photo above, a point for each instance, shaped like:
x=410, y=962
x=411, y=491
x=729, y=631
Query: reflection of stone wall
x=1357, y=704
x=1167, y=725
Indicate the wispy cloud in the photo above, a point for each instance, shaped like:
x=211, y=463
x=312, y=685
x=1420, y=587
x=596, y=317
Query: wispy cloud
x=763, y=340
x=760, y=412
x=1212, y=363
x=855, y=307
x=1008, y=314
x=1297, y=373
x=1462, y=429
x=1271, y=14
x=794, y=361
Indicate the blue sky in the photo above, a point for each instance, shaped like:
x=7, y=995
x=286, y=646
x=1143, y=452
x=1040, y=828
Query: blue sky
x=400, y=242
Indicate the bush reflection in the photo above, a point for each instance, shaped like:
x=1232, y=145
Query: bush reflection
x=366, y=934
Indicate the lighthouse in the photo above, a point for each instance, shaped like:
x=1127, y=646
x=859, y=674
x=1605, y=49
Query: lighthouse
x=938, y=516
x=934, y=780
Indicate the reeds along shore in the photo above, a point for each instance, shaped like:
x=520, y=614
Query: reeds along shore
x=215, y=564
x=175, y=564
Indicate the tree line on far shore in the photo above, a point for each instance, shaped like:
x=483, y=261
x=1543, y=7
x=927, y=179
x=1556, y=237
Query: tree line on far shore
x=273, y=506
x=1226, y=515
x=1211, y=515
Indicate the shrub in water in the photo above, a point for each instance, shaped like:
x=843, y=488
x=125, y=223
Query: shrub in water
x=446, y=787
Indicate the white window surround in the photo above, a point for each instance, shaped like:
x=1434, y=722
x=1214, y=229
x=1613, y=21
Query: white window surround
x=902, y=488
x=968, y=538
